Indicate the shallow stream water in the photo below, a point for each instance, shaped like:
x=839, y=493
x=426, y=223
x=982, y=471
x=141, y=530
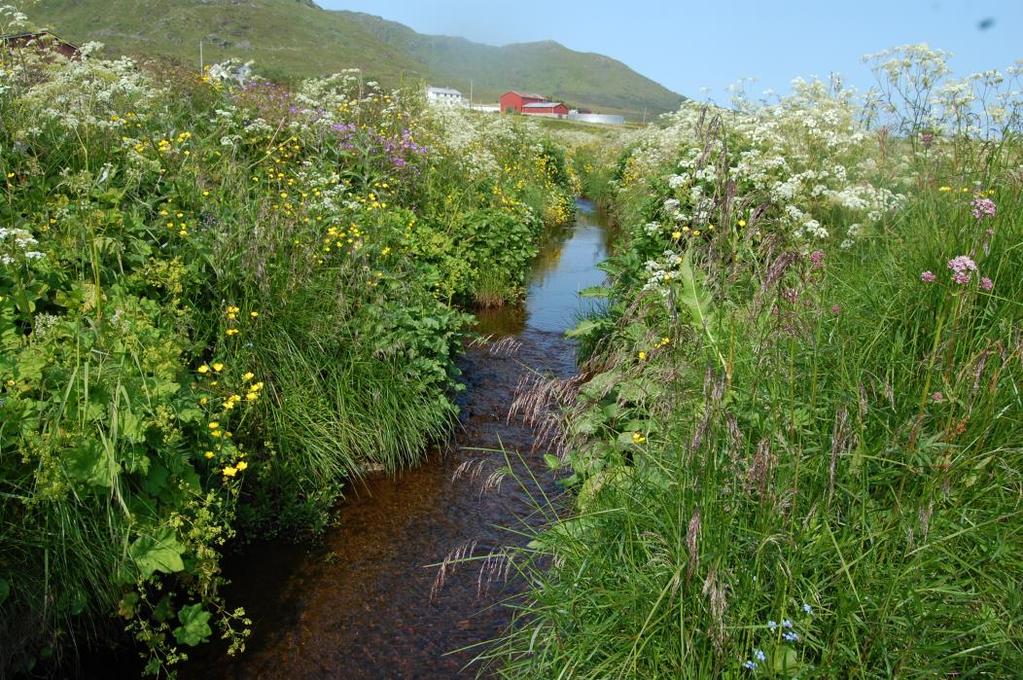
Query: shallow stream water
x=365, y=602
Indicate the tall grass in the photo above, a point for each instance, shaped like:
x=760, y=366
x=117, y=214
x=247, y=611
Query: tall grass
x=798, y=460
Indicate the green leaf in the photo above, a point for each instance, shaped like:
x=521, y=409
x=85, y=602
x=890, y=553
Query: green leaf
x=195, y=626
x=584, y=328
x=91, y=463
x=553, y=462
x=159, y=552
x=785, y=660
x=694, y=296
x=595, y=292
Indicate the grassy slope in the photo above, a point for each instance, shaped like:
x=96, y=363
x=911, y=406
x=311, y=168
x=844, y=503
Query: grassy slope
x=285, y=38
x=294, y=38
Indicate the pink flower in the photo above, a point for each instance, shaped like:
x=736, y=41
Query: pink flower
x=983, y=207
x=962, y=278
x=986, y=283
x=937, y=397
x=836, y=309
x=817, y=259
x=928, y=277
x=962, y=264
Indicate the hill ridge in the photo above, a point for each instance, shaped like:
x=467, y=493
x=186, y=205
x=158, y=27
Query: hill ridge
x=290, y=39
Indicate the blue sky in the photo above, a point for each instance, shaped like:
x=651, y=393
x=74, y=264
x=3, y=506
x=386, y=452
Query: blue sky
x=688, y=46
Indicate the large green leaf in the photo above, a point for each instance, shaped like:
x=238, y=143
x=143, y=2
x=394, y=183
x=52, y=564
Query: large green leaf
x=195, y=625
x=160, y=551
x=91, y=462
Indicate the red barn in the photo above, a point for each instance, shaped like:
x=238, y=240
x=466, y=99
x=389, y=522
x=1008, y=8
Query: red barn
x=512, y=102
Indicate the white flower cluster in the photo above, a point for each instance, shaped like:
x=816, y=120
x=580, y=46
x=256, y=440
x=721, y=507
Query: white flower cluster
x=473, y=140
x=82, y=94
x=16, y=245
x=800, y=157
x=660, y=273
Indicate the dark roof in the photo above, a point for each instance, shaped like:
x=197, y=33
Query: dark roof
x=527, y=95
x=27, y=36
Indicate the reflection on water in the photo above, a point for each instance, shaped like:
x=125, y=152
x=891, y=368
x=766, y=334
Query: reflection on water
x=565, y=266
x=563, y=270
x=360, y=604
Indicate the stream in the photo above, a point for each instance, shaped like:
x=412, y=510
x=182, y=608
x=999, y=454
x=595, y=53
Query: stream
x=365, y=602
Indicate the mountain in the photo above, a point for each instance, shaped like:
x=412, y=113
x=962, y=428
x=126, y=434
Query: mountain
x=296, y=38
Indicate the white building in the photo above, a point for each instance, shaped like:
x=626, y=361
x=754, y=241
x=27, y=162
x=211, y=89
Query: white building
x=444, y=96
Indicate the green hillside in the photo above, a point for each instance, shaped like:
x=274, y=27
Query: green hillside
x=295, y=38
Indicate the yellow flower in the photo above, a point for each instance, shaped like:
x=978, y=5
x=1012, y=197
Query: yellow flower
x=248, y=376
x=204, y=369
x=213, y=425
x=218, y=367
x=204, y=401
x=208, y=455
x=642, y=356
x=253, y=314
x=230, y=471
x=252, y=396
x=742, y=223
x=945, y=188
x=676, y=235
x=232, y=331
x=638, y=438
x=241, y=465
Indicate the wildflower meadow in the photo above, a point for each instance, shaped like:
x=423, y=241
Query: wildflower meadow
x=220, y=300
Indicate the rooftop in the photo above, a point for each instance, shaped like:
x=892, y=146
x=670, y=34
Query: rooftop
x=541, y=105
x=443, y=90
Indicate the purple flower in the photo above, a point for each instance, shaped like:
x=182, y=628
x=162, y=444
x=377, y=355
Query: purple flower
x=937, y=397
x=928, y=277
x=983, y=207
x=791, y=637
x=962, y=278
x=962, y=264
x=817, y=259
x=986, y=283
x=836, y=309
x=749, y=665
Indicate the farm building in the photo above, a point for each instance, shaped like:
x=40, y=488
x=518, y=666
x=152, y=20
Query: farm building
x=556, y=109
x=444, y=96
x=41, y=41
x=512, y=101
